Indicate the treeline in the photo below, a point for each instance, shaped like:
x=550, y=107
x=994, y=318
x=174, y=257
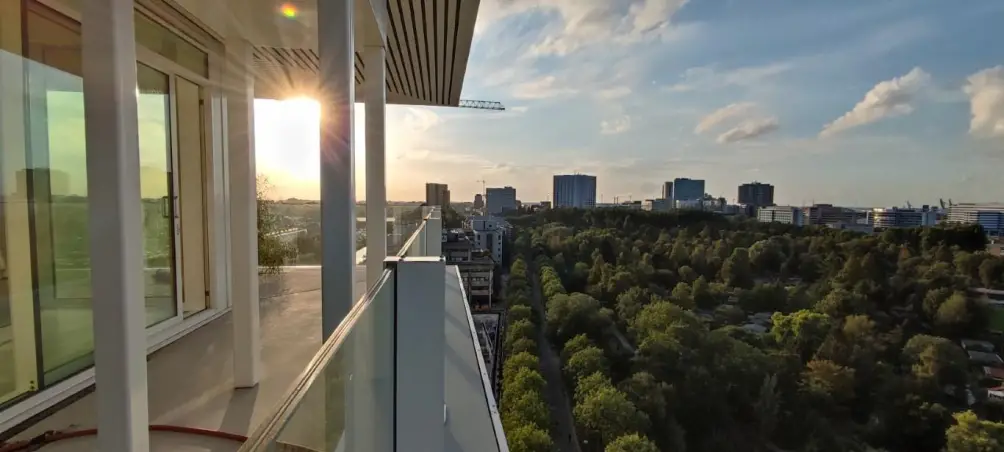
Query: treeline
x=761, y=337
x=605, y=415
x=525, y=416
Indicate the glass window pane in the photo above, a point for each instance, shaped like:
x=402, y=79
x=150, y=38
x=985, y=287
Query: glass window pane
x=57, y=175
x=18, y=369
x=157, y=38
x=153, y=111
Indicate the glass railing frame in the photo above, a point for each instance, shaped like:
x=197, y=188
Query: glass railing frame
x=271, y=428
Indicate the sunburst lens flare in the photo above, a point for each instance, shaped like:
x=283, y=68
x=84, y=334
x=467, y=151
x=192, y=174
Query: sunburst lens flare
x=289, y=11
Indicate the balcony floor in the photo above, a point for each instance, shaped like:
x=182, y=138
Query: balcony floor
x=191, y=380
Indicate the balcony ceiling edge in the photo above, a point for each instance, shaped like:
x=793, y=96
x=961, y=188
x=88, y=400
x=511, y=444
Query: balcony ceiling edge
x=428, y=45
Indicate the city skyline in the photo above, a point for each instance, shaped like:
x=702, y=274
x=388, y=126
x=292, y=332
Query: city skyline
x=853, y=104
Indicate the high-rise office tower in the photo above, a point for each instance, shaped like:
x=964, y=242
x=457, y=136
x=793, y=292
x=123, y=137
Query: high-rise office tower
x=756, y=194
x=667, y=190
x=575, y=190
x=688, y=189
x=437, y=195
x=500, y=200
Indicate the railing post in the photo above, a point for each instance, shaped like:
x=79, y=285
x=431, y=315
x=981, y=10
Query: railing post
x=434, y=234
x=420, y=286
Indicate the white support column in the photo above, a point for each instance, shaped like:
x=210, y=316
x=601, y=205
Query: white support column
x=421, y=344
x=111, y=126
x=239, y=91
x=376, y=164
x=336, y=94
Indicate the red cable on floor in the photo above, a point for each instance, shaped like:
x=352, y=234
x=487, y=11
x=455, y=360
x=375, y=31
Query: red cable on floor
x=53, y=436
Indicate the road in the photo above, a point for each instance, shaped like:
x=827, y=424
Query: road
x=563, y=424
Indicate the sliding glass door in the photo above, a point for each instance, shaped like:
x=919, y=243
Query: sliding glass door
x=46, y=332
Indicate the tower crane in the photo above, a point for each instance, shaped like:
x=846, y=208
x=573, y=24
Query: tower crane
x=481, y=104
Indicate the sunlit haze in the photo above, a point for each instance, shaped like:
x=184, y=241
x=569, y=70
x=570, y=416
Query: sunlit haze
x=853, y=103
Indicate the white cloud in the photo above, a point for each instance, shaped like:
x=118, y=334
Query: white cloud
x=580, y=23
x=986, y=102
x=420, y=119
x=541, y=88
x=518, y=109
x=709, y=77
x=889, y=98
x=613, y=93
x=749, y=129
x=615, y=126
x=723, y=114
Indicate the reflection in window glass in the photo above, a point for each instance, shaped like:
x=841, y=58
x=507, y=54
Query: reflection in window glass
x=155, y=37
x=58, y=177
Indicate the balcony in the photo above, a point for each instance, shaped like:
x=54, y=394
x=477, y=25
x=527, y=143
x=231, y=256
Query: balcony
x=404, y=369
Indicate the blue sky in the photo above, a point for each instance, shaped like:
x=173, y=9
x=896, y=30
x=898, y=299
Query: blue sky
x=852, y=102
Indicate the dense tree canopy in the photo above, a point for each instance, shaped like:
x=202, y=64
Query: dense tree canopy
x=691, y=331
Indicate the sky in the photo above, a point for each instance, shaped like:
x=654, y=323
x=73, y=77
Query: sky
x=857, y=103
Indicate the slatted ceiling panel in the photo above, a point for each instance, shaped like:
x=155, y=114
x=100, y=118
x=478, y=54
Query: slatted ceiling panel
x=429, y=11
x=397, y=50
x=405, y=38
x=453, y=17
x=394, y=61
x=422, y=11
x=439, y=17
x=426, y=56
x=415, y=43
x=360, y=69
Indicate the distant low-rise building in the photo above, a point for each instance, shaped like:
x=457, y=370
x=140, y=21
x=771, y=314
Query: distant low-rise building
x=658, y=205
x=489, y=234
x=988, y=215
x=823, y=214
x=896, y=217
x=781, y=214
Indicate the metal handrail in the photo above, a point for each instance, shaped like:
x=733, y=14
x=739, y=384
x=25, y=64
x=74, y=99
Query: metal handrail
x=415, y=235
x=269, y=430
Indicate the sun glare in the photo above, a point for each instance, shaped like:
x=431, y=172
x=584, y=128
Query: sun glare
x=289, y=10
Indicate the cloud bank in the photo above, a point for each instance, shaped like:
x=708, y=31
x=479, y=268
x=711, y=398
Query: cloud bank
x=986, y=102
x=888, y=99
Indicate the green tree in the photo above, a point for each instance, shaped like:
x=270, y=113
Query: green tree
x=953, y=314
x=701, y=294
x=522, y=360
x=646, y=393
x=935, y=360
x=525, y=344
x=272, y=251
x=630, y=302
x=521, y=329
x=586, y=362
x=828, y=381
x=608, y=414
x=519, y=313
x=631, y=443
x=736, y=270
x=528, y=438
x=524, y=379
x=801, y=332
x=970, y=434
x=577, y=313
x=523, y=408
x=590, y=384
x=574, y=345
